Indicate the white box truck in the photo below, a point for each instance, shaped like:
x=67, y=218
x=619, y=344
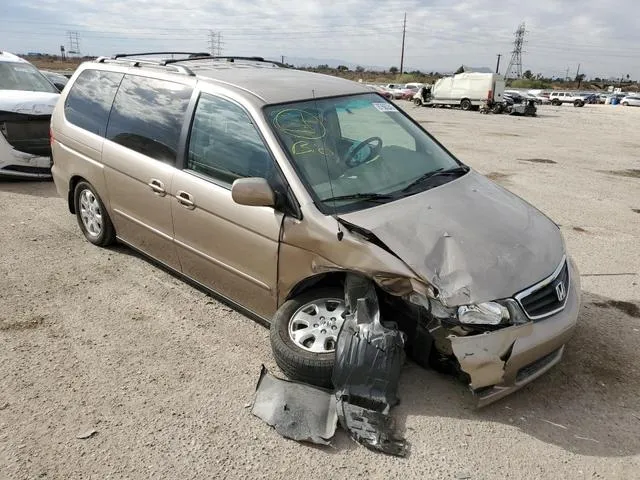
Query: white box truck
x=464, y=90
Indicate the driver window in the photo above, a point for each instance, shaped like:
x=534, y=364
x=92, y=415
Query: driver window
x=224, y=144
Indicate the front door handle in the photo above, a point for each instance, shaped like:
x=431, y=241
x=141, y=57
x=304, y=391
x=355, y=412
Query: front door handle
x=185, y=199
x=157, y=186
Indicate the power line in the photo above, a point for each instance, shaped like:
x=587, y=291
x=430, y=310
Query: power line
x=215, y=43
x=516, y=55
x=74, y=43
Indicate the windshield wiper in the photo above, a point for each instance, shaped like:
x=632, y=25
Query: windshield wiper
x=371, y=196
x=455, y=171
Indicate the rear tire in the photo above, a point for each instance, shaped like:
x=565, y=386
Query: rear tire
x=556, y=103
x=578, y=103
x=465, y=104
x=92, y=216
x=626, y=104
x=294, y=360
x=417, y=102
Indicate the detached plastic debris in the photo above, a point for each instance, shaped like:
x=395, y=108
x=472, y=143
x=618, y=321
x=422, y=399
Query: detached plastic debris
x=369, y=356
x=366, y=372
x=296, y=410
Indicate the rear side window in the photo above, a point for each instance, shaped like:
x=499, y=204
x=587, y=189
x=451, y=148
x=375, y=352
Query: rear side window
x=89, y=101
x=224, y=143
x=147, y=116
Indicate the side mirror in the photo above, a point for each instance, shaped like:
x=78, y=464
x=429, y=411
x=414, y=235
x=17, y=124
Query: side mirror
x=253, y=191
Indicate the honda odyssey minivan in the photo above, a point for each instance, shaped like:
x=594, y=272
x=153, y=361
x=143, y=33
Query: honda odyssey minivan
x=266, y=186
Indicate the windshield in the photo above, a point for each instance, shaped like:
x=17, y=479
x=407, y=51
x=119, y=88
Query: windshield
x=356, y=151
x=23, y=76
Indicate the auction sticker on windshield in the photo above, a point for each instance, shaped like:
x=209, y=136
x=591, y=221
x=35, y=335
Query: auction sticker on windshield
x=385, y=107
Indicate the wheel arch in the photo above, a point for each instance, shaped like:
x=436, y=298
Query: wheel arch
x=320, y=280
x=72, y=186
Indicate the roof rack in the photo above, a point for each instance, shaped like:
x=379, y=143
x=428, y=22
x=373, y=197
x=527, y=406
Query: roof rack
x=229, y=59
x=134, y=61
x=143, y=54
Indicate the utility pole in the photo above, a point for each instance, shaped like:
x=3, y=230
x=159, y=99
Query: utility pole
x=282, y=59
x=404, y=31
x=498, y=64
x=516, y=55
x=578, y=76
x=566, y=77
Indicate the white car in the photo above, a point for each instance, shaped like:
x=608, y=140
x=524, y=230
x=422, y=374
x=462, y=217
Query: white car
x=631, y=100
x=558, y=98
x=27, y=100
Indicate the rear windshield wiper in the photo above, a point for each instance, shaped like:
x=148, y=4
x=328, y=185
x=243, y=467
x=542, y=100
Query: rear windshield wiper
x=455, y=171
x=371, y=196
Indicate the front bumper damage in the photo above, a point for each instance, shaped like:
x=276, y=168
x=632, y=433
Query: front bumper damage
x=495, y=361
x=25, y=150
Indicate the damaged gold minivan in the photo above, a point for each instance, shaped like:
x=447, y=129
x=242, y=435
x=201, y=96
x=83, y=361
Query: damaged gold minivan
x=268, y=186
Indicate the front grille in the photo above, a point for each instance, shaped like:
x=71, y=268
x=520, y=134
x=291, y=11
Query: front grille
x=547, y=297
x=28, y=133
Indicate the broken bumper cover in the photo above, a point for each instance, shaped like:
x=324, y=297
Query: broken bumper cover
x=533, y=353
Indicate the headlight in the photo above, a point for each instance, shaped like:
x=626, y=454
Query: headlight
x=488, y=313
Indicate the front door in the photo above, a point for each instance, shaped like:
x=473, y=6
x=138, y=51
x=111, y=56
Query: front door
x=139, y=155
x=230, y=248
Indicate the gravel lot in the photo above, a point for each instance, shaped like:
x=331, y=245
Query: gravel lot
x=97, y=339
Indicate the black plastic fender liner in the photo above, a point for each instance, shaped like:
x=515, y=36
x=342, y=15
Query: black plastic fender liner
x=366, y=372
x=296, y=410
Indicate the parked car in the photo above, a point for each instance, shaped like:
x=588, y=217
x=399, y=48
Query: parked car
x=58, y=80
x=266, y=186
x=589, y=98
x=631, y=101
x=397, y=90
x=27, y=99
x=382, y=91
x=558, y=98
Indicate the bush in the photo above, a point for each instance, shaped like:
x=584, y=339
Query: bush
x=524, y=83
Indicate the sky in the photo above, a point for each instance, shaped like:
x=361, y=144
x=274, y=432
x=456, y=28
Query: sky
x=602, y=38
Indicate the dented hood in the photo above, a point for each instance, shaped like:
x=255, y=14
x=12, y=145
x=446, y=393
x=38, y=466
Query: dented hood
x=27, y=102
x=470, y=238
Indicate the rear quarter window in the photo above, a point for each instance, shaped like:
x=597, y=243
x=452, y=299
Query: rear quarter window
x=147, y=116
x=89, y=101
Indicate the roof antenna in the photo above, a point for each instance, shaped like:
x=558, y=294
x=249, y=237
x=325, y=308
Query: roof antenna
x=340, y=233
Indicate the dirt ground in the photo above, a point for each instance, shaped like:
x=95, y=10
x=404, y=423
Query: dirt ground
x=100, y=340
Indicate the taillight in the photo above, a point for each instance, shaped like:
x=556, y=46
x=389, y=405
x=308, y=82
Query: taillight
x=51, y=136
x=490, y=94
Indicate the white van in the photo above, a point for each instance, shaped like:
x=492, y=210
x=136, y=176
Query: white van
x=468, y=90
x=27, y=99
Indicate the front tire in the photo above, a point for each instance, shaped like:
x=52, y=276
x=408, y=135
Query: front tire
x=92, y=216
x=625, y=104
x=304, y=333
x=578, y=103
x=417, y=102
x=465, y=104
x=556, y=103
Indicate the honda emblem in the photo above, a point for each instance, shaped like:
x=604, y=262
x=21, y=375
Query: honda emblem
x=561, y=292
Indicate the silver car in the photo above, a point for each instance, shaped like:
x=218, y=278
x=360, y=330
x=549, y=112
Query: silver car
x=631, y=101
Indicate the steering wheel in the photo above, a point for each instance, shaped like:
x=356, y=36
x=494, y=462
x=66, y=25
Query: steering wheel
x=351, y=159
